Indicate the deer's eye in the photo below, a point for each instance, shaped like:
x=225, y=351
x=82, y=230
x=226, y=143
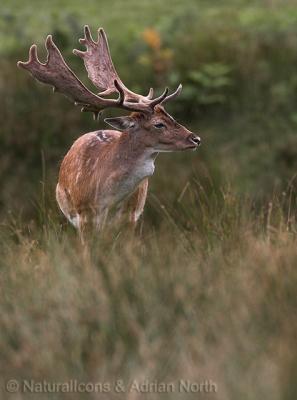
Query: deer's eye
x=159, y=125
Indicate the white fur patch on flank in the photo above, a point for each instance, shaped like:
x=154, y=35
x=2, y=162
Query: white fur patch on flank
x=77, y=177
x=103, y=137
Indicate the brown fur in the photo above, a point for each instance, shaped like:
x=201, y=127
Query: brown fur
x=103, y=169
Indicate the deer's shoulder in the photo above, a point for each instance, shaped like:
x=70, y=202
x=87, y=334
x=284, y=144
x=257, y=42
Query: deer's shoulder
x=98, y=138
x=87, y=148
x=90, y=144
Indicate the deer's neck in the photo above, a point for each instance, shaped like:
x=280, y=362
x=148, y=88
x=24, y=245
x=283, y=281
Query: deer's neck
x=134, y=161
x=133, y=148
x=137, y=159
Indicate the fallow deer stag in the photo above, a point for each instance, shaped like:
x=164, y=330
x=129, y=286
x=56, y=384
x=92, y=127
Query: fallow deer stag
x=108, y=169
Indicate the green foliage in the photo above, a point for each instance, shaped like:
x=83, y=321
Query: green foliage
x=208, y=85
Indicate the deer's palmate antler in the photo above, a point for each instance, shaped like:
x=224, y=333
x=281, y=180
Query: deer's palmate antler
x=106, y=167
x=101, y=72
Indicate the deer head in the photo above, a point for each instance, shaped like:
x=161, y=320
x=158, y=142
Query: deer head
x=149, y=120
x=157, y=130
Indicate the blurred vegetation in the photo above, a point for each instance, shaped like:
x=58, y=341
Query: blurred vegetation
x=207, y=288
x=236, y=59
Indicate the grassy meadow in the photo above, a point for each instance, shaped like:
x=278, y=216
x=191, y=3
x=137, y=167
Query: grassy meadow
x=205, y=289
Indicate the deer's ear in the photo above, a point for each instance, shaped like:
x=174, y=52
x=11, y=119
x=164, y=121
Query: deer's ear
x=121, y=123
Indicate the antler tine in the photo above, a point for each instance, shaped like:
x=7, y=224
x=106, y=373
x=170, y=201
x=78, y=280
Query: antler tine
x=159, y=99
x=88, y=36
x=32, y=58
x=122, y=102
x=173, y=95
x=120, y=88
x=150, y=94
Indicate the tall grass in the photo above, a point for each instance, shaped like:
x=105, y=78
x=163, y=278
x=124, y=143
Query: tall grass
x=208, y=294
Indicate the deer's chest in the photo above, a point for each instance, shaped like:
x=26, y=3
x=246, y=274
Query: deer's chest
x=131, y=178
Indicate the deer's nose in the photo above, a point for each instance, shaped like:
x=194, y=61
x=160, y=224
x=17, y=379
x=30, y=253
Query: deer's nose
x=195, y=139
